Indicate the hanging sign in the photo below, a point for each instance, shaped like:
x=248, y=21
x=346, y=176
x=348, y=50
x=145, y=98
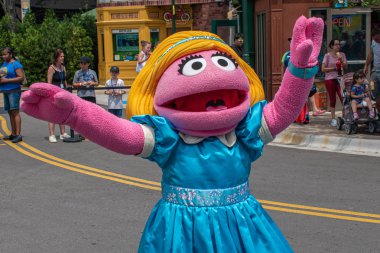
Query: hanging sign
x=25, y=7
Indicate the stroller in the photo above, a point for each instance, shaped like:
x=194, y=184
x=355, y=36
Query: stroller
x=347, y=120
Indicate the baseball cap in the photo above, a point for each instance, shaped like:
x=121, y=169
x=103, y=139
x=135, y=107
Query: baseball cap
x=85, y=59
x=114, y=69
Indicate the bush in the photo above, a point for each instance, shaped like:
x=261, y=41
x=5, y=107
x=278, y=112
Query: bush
x=34, y=43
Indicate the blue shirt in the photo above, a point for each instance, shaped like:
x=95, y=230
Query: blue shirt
x=85, y=76
x=285, y=58
x=11, y=73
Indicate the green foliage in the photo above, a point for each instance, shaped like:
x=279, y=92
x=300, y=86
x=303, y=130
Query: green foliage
x=365, y=3
x=34, y=43
x=236, y=3
x=5, y=27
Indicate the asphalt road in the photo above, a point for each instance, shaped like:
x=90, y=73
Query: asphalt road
x=79, y=197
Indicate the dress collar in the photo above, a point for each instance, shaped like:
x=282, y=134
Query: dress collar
x=228, y=139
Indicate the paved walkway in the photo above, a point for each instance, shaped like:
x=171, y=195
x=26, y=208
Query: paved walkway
x=320, y=135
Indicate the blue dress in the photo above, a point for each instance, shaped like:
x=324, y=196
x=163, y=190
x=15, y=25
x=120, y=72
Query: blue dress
x=206, y=204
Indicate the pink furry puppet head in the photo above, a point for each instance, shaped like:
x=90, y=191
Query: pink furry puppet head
x=197, y=82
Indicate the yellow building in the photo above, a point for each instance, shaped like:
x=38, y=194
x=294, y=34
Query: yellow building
x=121, y=29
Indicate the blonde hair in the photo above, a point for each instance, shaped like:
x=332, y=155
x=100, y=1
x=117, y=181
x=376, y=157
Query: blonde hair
x=178, y=45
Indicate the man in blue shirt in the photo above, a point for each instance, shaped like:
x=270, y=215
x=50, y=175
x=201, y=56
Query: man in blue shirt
x=374, y=56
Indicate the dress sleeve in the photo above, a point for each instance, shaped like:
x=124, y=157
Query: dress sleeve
x=162, y=139
x=248, y=131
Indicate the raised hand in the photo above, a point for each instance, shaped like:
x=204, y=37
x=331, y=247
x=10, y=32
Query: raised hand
x=306, y=42
x=48, y=102
x=299, y=77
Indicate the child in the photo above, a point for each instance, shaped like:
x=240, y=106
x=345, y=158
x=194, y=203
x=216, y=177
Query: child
x=143, y=55
x=115, y=96
x=360, y=93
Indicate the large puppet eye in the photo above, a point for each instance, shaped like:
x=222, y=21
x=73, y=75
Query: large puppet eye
x=224, y=61
x=192, y=65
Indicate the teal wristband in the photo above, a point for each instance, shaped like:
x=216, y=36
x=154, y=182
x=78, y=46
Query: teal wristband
x=304, y=73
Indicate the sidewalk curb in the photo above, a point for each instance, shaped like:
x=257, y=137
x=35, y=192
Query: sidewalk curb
x=329, y=143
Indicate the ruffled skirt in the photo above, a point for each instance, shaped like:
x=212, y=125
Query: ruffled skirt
x=240, y=227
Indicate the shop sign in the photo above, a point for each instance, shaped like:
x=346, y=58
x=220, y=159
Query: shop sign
x=341, y=4
x=345, y=3
x=125, y=31
x=343, y=21
x=182, y=15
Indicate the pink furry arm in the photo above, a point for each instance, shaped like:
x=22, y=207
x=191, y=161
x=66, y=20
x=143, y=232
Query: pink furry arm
x=293, y=92
x=287, y=103
x=48, y=102
x=106, y=129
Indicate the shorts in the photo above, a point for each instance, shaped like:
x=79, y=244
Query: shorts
x=12, y=101
x=89, y=99
x=116, y=112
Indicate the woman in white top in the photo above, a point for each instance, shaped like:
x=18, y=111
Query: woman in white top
x=143, y=55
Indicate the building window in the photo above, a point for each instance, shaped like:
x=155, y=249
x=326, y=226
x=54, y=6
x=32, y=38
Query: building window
x=154, y=37
x=125, y=44
x=261, y=49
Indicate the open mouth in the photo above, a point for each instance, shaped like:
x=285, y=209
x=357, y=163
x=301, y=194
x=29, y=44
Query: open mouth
x=217, y=100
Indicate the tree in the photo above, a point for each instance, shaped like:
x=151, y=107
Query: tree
x=8, y=6
x=34, y=43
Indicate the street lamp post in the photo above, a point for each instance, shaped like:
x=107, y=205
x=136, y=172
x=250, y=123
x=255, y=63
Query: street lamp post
x=173, y=16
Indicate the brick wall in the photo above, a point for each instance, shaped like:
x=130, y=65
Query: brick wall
x=204, y=13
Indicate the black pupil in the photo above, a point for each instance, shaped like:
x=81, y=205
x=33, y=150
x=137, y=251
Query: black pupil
x=196, y=65
x=222, y=62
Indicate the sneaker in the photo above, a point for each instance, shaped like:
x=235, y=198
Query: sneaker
x=9, y=137
x=64, y=136
x=356, y=116
x=52, y=139
x=319, y=112
x=17, y=138
x=333, y=122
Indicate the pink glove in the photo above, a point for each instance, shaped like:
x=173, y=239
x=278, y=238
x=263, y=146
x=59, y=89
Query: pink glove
x=293, y=92
x=50, y=103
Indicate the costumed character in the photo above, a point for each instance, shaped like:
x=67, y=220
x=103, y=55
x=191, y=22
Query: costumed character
x=197, y=111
